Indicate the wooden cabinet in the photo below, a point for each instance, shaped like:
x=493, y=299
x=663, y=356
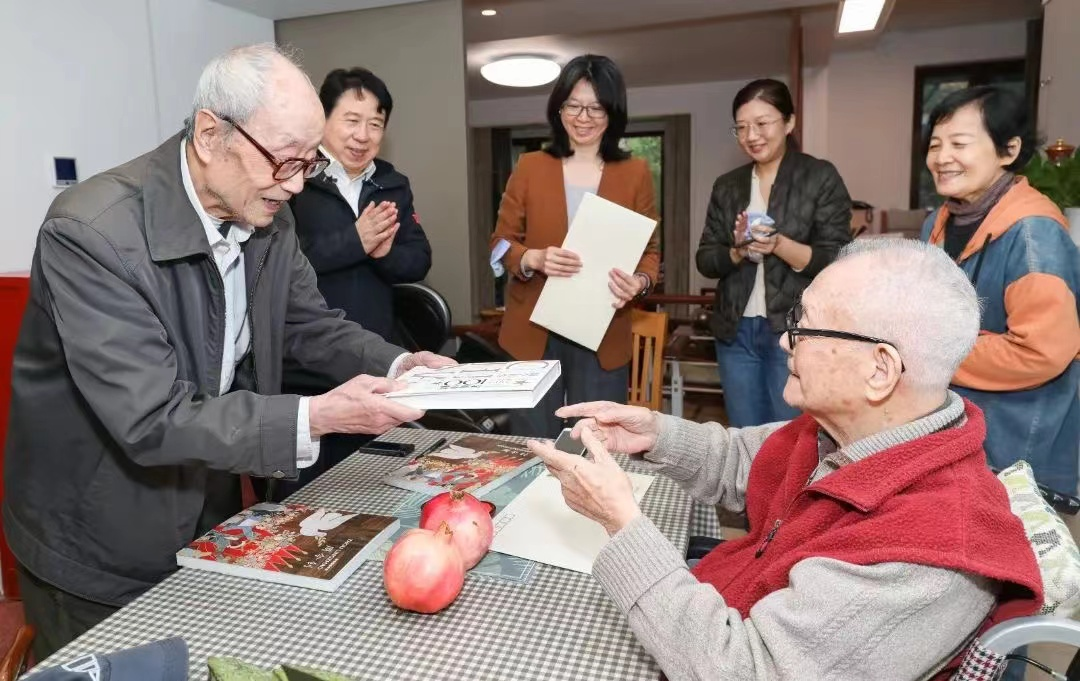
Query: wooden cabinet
x=14, y=291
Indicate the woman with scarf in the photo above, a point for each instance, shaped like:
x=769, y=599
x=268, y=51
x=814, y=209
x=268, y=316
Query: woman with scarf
x=1014, y=245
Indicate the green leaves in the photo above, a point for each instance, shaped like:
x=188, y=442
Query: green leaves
x=1059, y=182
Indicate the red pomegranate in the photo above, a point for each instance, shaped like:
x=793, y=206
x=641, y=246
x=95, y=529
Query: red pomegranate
x=468, y=518
x=423, y=571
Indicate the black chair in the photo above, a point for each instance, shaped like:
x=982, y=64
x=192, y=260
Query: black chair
x=422, y=322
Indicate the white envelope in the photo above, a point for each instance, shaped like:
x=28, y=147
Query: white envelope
x=605, y=236
x=538, y=525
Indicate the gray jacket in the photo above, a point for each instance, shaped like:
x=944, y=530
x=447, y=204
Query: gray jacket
x=117, y=427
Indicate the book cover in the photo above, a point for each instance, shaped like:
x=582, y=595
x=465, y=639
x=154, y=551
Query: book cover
x=478, y=385
x=475, y=464
x=293, y=544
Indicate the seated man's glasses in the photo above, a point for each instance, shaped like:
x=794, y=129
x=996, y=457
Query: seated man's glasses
x=794, y=316
x=284, y=168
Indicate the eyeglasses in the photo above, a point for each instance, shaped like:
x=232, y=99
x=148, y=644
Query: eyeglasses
x=284, y=168
x=593, y=111
x=794, y=316
x=742, y=131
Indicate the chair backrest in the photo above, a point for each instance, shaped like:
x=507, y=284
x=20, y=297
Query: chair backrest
x=14, y=660
x=647, y=358
x=421, y=317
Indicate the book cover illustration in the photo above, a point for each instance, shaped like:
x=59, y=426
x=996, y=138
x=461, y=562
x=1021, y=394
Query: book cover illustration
x=476, y=377
x=290, y=543
x=494, y=565
x=473, y=464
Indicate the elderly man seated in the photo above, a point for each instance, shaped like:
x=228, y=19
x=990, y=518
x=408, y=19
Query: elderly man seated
x=879, y=540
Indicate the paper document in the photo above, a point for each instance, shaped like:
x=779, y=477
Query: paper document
x=538, y=525
x=605, y=236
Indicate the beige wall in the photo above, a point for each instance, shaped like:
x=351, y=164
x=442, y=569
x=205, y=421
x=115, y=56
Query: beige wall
x=418, y=49
x=870, y=96
x=1059, y=98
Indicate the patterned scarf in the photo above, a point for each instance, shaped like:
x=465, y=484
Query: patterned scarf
x=972, y=213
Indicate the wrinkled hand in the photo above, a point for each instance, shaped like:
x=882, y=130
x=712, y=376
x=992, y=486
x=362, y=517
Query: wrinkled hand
x=552, y=261
x=621, y=428
x=625, y=287
x=358, y=406
x=424, y=359
x=597, y=489
x=377, y=223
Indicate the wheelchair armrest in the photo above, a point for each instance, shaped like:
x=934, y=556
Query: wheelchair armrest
x=699, y=546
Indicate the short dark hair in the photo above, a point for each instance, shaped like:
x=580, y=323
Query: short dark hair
x=604, y=76
x=339, y=81
x=770, y=91
x=1005, y=115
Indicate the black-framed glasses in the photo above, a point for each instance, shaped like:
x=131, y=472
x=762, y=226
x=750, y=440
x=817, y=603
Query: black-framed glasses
x=287, y=167
x=593, y=111
x=793, y=330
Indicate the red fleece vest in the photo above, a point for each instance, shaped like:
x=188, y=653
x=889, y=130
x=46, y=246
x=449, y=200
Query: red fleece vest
x=932, y=501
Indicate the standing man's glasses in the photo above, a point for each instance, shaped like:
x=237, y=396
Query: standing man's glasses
x=284, y=168
x=794, y=316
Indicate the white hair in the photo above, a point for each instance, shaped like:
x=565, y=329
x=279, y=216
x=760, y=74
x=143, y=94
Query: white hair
x=234, y=84
x=919, y=299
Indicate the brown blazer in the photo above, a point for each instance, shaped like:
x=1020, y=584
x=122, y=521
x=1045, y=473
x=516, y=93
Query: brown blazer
x=533, y=215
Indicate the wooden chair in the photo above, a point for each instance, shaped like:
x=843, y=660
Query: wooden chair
x=15, y=658
x=647, y=360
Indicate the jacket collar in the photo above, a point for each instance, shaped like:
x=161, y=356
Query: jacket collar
x=868, y=483
x=1022, y=201
x=173, y=229
x=385, y=177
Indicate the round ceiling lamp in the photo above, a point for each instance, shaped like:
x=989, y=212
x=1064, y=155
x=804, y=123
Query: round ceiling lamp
x=521, y=71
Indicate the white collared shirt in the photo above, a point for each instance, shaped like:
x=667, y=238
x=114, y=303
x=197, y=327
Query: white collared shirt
x=349, y=187
x=229, y=259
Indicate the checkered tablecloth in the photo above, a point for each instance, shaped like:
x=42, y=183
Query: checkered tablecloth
x=558, y=626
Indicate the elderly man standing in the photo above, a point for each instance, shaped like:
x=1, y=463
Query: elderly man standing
x=166, y=294
x=879, y=541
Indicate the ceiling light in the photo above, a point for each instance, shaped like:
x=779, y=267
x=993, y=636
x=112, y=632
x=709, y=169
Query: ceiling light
x=521, y=71
x=488, y=12
x=859, y=15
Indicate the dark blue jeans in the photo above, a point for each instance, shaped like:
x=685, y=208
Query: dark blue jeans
x=753, y=371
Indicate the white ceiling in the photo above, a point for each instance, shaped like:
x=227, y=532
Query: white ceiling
x=659, y=42
x=290, y=9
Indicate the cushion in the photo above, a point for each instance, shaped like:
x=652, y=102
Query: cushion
x=1055, y=550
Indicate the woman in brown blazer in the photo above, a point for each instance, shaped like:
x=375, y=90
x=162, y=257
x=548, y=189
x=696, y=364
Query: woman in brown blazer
x=587, y=114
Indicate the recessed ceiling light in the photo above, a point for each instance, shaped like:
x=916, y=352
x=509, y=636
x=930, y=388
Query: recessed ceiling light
x=859, y=15
x=488, y=12
x=521, y=71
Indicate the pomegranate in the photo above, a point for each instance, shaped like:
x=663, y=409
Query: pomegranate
x=468, y=518
x=423, y=571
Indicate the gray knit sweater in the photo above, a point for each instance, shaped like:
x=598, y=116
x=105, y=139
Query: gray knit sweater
x=835, y=620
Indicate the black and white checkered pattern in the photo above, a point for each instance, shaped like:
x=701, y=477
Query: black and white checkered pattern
x=980, y=664
x=558, y=626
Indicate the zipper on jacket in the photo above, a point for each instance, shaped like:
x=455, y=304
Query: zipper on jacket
x=979, y=262
x=251, y=307
x=768, y=538
x=212, y=265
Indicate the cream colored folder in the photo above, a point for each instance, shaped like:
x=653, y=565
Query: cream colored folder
x=538, y=525
x=605, y=236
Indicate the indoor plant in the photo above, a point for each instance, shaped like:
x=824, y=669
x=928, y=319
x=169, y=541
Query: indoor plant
x=1061, y=182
